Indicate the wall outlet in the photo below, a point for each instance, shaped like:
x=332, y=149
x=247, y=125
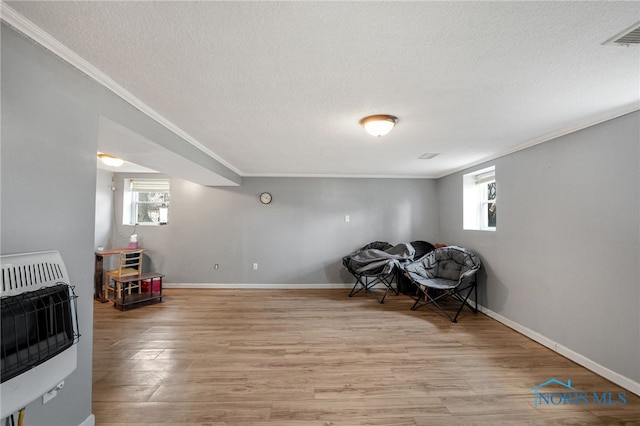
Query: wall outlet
x=52, y=393
x=347, y=218
x=255, y=266
x=49, y=396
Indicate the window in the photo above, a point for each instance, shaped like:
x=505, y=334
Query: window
x=146, y=202
x=479, y=192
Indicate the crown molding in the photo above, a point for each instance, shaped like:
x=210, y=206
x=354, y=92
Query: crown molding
x=44, y=39
x=332, y=176
x=581, y=125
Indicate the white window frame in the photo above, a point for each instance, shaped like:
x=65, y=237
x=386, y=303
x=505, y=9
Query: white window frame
x=131, y=203
x=475, y=199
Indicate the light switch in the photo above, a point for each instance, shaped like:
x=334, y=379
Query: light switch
x=347, y=218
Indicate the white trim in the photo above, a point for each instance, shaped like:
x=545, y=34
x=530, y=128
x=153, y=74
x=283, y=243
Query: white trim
x=337, y=175
x=35, y=33
x=591, y=121
x=260, y=286
x=89, y=421
x=589, y=364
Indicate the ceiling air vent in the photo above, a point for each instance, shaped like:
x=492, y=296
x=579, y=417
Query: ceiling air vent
x=630, y=36
x=428, y=155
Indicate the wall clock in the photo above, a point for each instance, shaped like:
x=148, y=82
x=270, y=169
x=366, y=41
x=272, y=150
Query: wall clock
x=265, y=198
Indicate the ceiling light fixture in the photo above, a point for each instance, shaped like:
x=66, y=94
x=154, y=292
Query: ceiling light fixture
x=110, y=160
x=378, y=125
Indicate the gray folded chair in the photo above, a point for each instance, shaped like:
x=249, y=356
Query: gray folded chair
x=445, y=272
x=377, y=263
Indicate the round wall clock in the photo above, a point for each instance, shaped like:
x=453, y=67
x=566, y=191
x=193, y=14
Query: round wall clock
x=265, y=198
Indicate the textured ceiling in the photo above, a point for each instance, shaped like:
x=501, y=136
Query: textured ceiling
x=278, y=88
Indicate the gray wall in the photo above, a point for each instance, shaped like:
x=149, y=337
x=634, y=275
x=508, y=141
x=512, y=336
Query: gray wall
x=104, y=209
x=299, y=238
x=48, y=184
x=564, y=258
x=563, y=262
x=50, y=127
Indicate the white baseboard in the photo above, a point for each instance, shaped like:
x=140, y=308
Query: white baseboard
x=89, y=421
x=260, y=286
x=608, y=374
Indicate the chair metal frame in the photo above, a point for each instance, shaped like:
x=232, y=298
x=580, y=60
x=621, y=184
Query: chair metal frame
x=455, y=292
x=459, y=290
x=367, y=282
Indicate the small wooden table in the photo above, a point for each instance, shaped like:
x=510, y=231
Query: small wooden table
x=98, y=276
x=153, y=292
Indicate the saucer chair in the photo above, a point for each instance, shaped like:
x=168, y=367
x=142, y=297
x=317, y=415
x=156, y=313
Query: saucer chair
x=376, y=264
x=447, y=272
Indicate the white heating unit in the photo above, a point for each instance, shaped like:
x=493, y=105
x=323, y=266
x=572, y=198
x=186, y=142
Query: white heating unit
x=39, y=327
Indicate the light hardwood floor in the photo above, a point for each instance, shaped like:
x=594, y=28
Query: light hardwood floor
x=318, y=357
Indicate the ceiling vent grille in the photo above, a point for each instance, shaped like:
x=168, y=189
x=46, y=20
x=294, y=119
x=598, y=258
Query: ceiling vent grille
x=630, y=36
x=428, y=155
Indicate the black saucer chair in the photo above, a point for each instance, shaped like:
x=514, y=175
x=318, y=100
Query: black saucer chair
x=422, y=248
x=405, y=285
x=445, y=272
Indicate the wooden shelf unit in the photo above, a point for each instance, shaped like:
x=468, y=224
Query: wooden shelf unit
x=124, y=283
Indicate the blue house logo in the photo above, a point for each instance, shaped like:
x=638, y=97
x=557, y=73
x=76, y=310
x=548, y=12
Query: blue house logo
x=548, y=397
x=570, y=396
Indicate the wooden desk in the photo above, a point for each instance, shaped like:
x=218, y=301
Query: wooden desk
x=98, y=276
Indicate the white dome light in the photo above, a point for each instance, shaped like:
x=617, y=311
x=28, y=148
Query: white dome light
x=110, y=160
x=379, y=125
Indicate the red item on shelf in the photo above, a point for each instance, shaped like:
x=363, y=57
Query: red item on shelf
x=146, y=284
